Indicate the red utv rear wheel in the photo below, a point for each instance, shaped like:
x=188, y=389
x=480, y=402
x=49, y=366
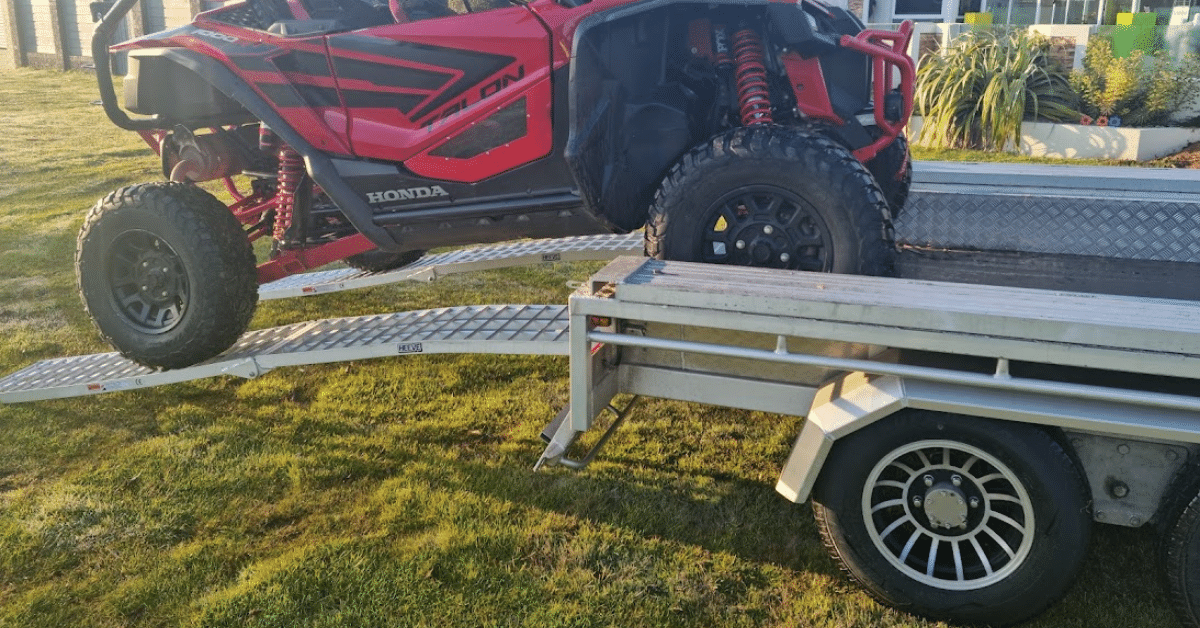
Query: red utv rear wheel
x=774, y=197
x=166, y=273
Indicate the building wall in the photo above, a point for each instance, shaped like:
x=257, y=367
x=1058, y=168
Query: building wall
x=38, y=33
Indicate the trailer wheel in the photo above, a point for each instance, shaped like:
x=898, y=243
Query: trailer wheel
x=1179, y=547
x=955, y=517
x=774, y=197
x=166, y=274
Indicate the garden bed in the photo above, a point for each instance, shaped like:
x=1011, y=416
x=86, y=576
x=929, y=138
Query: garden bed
x=1077, y=141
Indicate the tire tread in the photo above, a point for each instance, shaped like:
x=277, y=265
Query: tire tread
x=824, y=158
x=214, y=235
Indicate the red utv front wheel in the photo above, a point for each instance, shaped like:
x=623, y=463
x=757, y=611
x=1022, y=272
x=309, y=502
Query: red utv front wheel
x=775, y=197
x=166, y=274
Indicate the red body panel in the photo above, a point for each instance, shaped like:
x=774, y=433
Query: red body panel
x=409, y=88
x=808, y=83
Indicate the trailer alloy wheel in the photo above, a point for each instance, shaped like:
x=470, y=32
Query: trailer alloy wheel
x=774, y=197
x=166, y=273
x=948, y=515
x=955, y=517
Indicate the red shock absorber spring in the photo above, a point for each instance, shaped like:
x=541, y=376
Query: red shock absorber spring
x=754, y=94
x=291, y=171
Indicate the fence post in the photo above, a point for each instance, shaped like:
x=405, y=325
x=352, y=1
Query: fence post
x=60, y=40
x=136, y=20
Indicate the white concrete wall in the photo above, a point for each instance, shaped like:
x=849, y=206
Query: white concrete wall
x=176, y=12
x=42, y=28
x=1075, y=141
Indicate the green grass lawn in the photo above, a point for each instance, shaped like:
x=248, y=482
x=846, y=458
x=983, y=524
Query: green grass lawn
x=394, y=492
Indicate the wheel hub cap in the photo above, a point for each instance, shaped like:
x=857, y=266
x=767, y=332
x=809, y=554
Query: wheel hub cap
x=766, y=226
x=147, y=282
x=946, y=507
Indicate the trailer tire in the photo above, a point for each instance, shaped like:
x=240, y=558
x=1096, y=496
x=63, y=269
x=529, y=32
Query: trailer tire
x=1179, y=546
x=776, y=197
x=166, y=273
x=1005, y=539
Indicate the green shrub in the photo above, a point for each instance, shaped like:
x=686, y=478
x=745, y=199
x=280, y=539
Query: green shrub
x=977, y=91
x=1143, y=89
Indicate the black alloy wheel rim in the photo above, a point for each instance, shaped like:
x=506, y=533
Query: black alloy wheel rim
x=147, y=282
x=766, y=226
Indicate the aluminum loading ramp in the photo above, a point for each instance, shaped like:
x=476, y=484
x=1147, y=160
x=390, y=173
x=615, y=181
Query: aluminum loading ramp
x=499, y=329
x=597, y=248
x=502, y=329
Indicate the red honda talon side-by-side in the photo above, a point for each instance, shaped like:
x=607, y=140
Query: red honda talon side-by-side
x=747, y=132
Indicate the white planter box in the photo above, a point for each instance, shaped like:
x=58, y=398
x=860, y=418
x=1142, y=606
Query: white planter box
x=1076, y=141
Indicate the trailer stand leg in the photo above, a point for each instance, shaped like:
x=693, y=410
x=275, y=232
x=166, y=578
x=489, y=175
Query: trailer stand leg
x=564, y=436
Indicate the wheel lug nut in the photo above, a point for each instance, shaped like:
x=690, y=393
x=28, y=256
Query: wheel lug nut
x=917, y=502
x=956, y=480
x=928, y=480
x=785, y=258
x=740, y=244
x=768, y=229
x=974, y=502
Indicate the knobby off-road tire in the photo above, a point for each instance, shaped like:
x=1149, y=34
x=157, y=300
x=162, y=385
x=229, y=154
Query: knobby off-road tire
x=774, y=197
x=955, y=517
x=892, y=169
x=377, y=261
x=166, y=274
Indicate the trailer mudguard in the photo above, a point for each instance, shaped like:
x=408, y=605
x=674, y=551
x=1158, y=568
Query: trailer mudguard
x=856, y=400
x=840, y=408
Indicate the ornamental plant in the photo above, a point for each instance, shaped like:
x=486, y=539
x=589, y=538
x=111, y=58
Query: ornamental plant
x=976, y=92
x=1142, y=89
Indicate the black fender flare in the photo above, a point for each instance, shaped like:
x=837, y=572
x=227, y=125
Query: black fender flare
x=319, y=165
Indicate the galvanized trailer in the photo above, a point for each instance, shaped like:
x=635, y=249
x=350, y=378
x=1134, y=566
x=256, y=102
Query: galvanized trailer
x=959, y=439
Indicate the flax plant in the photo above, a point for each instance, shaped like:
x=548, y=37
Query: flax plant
x=976, y=92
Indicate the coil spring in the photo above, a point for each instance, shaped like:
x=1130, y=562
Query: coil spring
x=754, y=95
x=291, y=171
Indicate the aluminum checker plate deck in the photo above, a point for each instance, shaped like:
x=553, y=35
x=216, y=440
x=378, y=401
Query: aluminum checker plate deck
x=1102, y=211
